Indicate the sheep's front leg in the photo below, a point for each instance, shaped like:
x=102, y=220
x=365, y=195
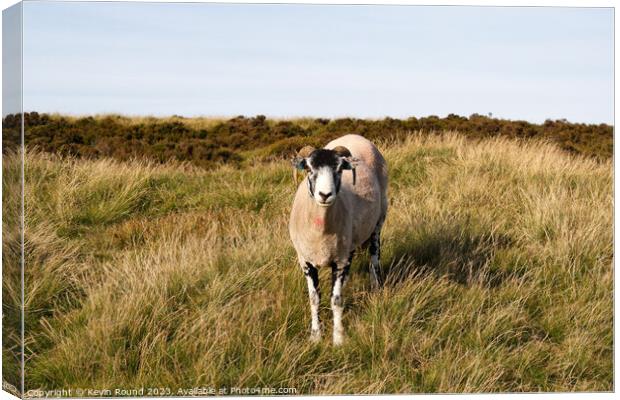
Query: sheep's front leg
x=312, y=279
x=339, y=276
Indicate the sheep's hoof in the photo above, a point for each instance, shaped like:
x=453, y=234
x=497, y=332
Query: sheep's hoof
x=315, y=335
x=338, y=340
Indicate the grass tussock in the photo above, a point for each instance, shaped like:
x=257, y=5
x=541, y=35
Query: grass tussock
x=497, y=260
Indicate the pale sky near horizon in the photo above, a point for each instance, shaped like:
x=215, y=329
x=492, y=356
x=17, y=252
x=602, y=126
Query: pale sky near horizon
x=316, y=60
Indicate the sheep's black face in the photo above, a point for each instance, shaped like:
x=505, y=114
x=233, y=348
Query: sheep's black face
x=324, y=169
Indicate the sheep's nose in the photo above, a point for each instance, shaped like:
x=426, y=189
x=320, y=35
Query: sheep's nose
x=325, y=196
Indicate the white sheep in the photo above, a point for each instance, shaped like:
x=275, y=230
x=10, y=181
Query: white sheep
x=335, y=213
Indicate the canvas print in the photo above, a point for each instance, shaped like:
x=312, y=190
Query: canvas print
x=296, y=199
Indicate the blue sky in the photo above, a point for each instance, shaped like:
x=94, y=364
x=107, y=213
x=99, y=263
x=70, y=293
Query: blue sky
x=330, y=61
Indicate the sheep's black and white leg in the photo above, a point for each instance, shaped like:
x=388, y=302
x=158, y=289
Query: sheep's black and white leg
x=339, y=277
x=312, y=279
x=375, y=256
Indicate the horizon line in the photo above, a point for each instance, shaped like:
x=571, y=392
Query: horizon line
x=297, y=117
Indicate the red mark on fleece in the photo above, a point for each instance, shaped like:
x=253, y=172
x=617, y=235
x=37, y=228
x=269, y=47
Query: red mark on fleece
x=318, y=221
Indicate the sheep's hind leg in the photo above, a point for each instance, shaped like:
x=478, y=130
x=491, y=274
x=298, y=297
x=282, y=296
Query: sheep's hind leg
x=312, y=279
x=375, y=256
x=339, y=276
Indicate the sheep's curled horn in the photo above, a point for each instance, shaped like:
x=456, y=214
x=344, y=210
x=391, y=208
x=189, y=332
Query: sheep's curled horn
x=305, y=151
x=299, y=162
x=345, y=153
x=342, y=151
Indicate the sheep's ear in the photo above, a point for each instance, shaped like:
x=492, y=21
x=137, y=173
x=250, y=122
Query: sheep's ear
x=350, y=163
x=299, y=163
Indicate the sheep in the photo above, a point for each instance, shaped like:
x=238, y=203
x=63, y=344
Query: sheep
x=334, y=213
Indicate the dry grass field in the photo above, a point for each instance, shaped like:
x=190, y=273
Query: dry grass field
x=497, y=260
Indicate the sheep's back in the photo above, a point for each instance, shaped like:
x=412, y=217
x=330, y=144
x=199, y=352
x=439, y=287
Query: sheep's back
x=367, y=198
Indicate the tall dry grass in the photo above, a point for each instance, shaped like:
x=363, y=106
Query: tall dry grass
x=497, y=257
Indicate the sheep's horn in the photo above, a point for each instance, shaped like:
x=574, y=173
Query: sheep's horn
x=305, y=151
x=342, y=151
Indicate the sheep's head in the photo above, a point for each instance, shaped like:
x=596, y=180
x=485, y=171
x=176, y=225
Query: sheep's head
x=324, y=168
